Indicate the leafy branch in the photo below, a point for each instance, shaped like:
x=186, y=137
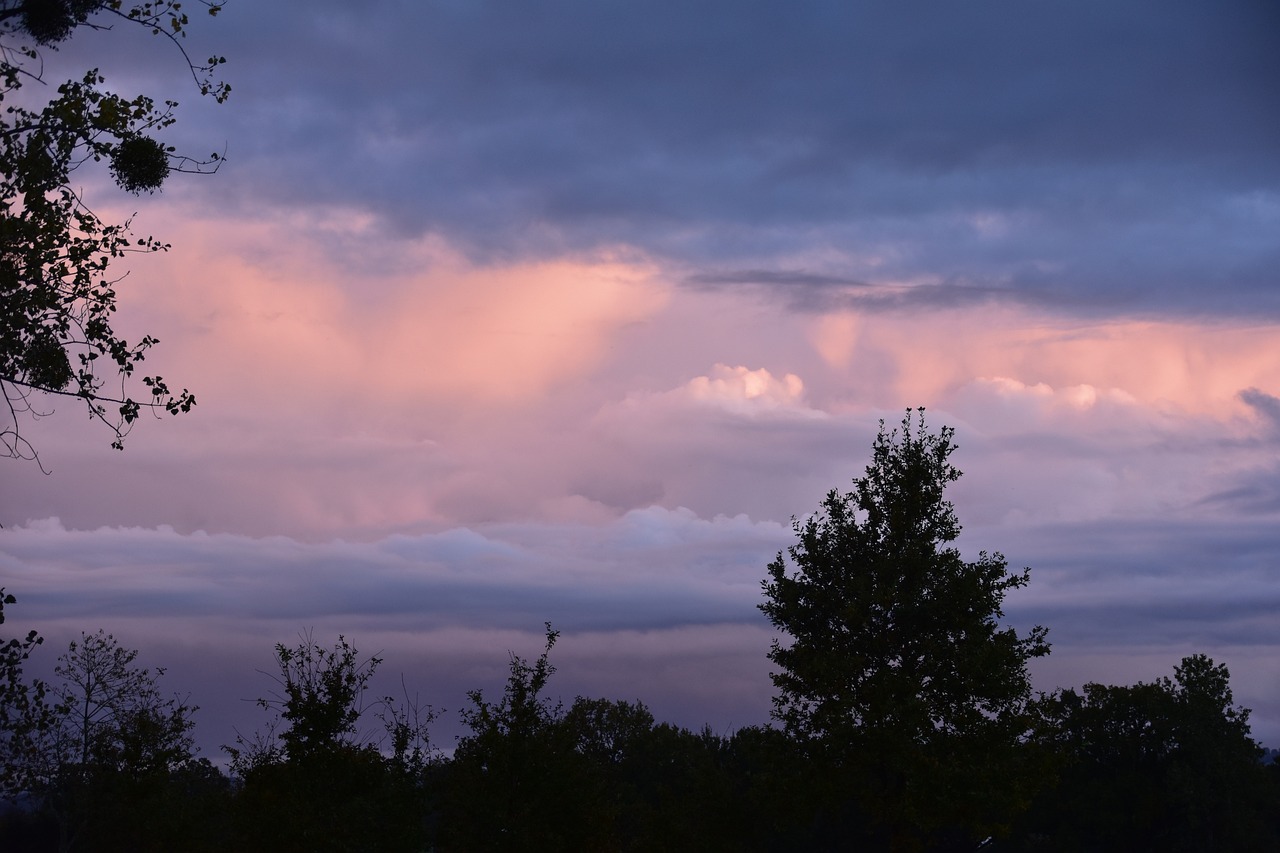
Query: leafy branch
x=58, y=296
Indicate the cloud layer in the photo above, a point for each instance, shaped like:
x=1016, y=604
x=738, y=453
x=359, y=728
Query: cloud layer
x=1100, y=159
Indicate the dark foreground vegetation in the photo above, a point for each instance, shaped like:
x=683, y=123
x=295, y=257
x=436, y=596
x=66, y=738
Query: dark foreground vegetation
x=904, y=721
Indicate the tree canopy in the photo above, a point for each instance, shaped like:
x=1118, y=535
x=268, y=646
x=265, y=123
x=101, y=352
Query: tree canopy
x=58, y=277
x=95, y=743
x=1176, y=753
x=895, y=669
x=104, y=763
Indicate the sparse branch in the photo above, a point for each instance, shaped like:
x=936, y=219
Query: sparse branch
x=193, y=166
x=95, y=398
x=12, y=443
x=153, y=15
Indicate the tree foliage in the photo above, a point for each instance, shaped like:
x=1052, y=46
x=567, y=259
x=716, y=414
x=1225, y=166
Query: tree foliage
x=515, y=781
x=112, y=714
x=895, y=668
x=314, y=781
x=24, y=709
x=57, y=275
x=96, y=742
x=320, y=700
x=1167, y=765
x=600, y=775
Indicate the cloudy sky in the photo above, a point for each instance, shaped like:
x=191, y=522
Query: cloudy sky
x=507, y=312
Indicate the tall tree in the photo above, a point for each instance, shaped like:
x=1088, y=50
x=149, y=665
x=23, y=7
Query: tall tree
x=57, y=280
x=895, y=672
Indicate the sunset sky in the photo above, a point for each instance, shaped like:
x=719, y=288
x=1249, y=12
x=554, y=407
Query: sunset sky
x=508, y=312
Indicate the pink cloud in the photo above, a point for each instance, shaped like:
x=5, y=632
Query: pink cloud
x=255, y=315
x=1197, y=368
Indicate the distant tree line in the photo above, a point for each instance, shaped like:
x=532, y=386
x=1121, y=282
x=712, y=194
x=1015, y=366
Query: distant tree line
x=904, y=720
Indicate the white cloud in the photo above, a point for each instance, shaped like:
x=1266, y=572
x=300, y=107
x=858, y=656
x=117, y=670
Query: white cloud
x=742, y=390
x=737, y=391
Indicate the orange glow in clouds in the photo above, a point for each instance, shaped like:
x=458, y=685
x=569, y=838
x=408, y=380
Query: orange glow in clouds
x=251, y=301
x=322, y=310
x=1197, y=368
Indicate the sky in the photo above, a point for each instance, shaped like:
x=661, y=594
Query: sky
x=501, y=313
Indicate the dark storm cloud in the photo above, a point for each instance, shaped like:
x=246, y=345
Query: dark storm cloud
x=1255, y=492
x=771, y=278
x=1114, y=155
x=1266, y=405
x=1123, y=583
x=814, y=292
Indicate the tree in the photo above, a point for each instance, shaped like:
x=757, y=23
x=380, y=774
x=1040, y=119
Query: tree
x=312, y=782
x=57, y=284
x=24, y=708
x=513, y=783
x=323, y=695
x=97, y=744
x=896, y=675
x=1166, y=765
x=112, y=713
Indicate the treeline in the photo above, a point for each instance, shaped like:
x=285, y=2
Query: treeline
x=904, y=720
x=107, y=764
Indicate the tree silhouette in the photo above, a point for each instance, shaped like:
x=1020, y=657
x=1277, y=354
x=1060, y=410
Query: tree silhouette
x=97, y=747
x=57, y=284
x=515, y=780
x=1166, y=765
x=895, y=672
x=313, y=781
